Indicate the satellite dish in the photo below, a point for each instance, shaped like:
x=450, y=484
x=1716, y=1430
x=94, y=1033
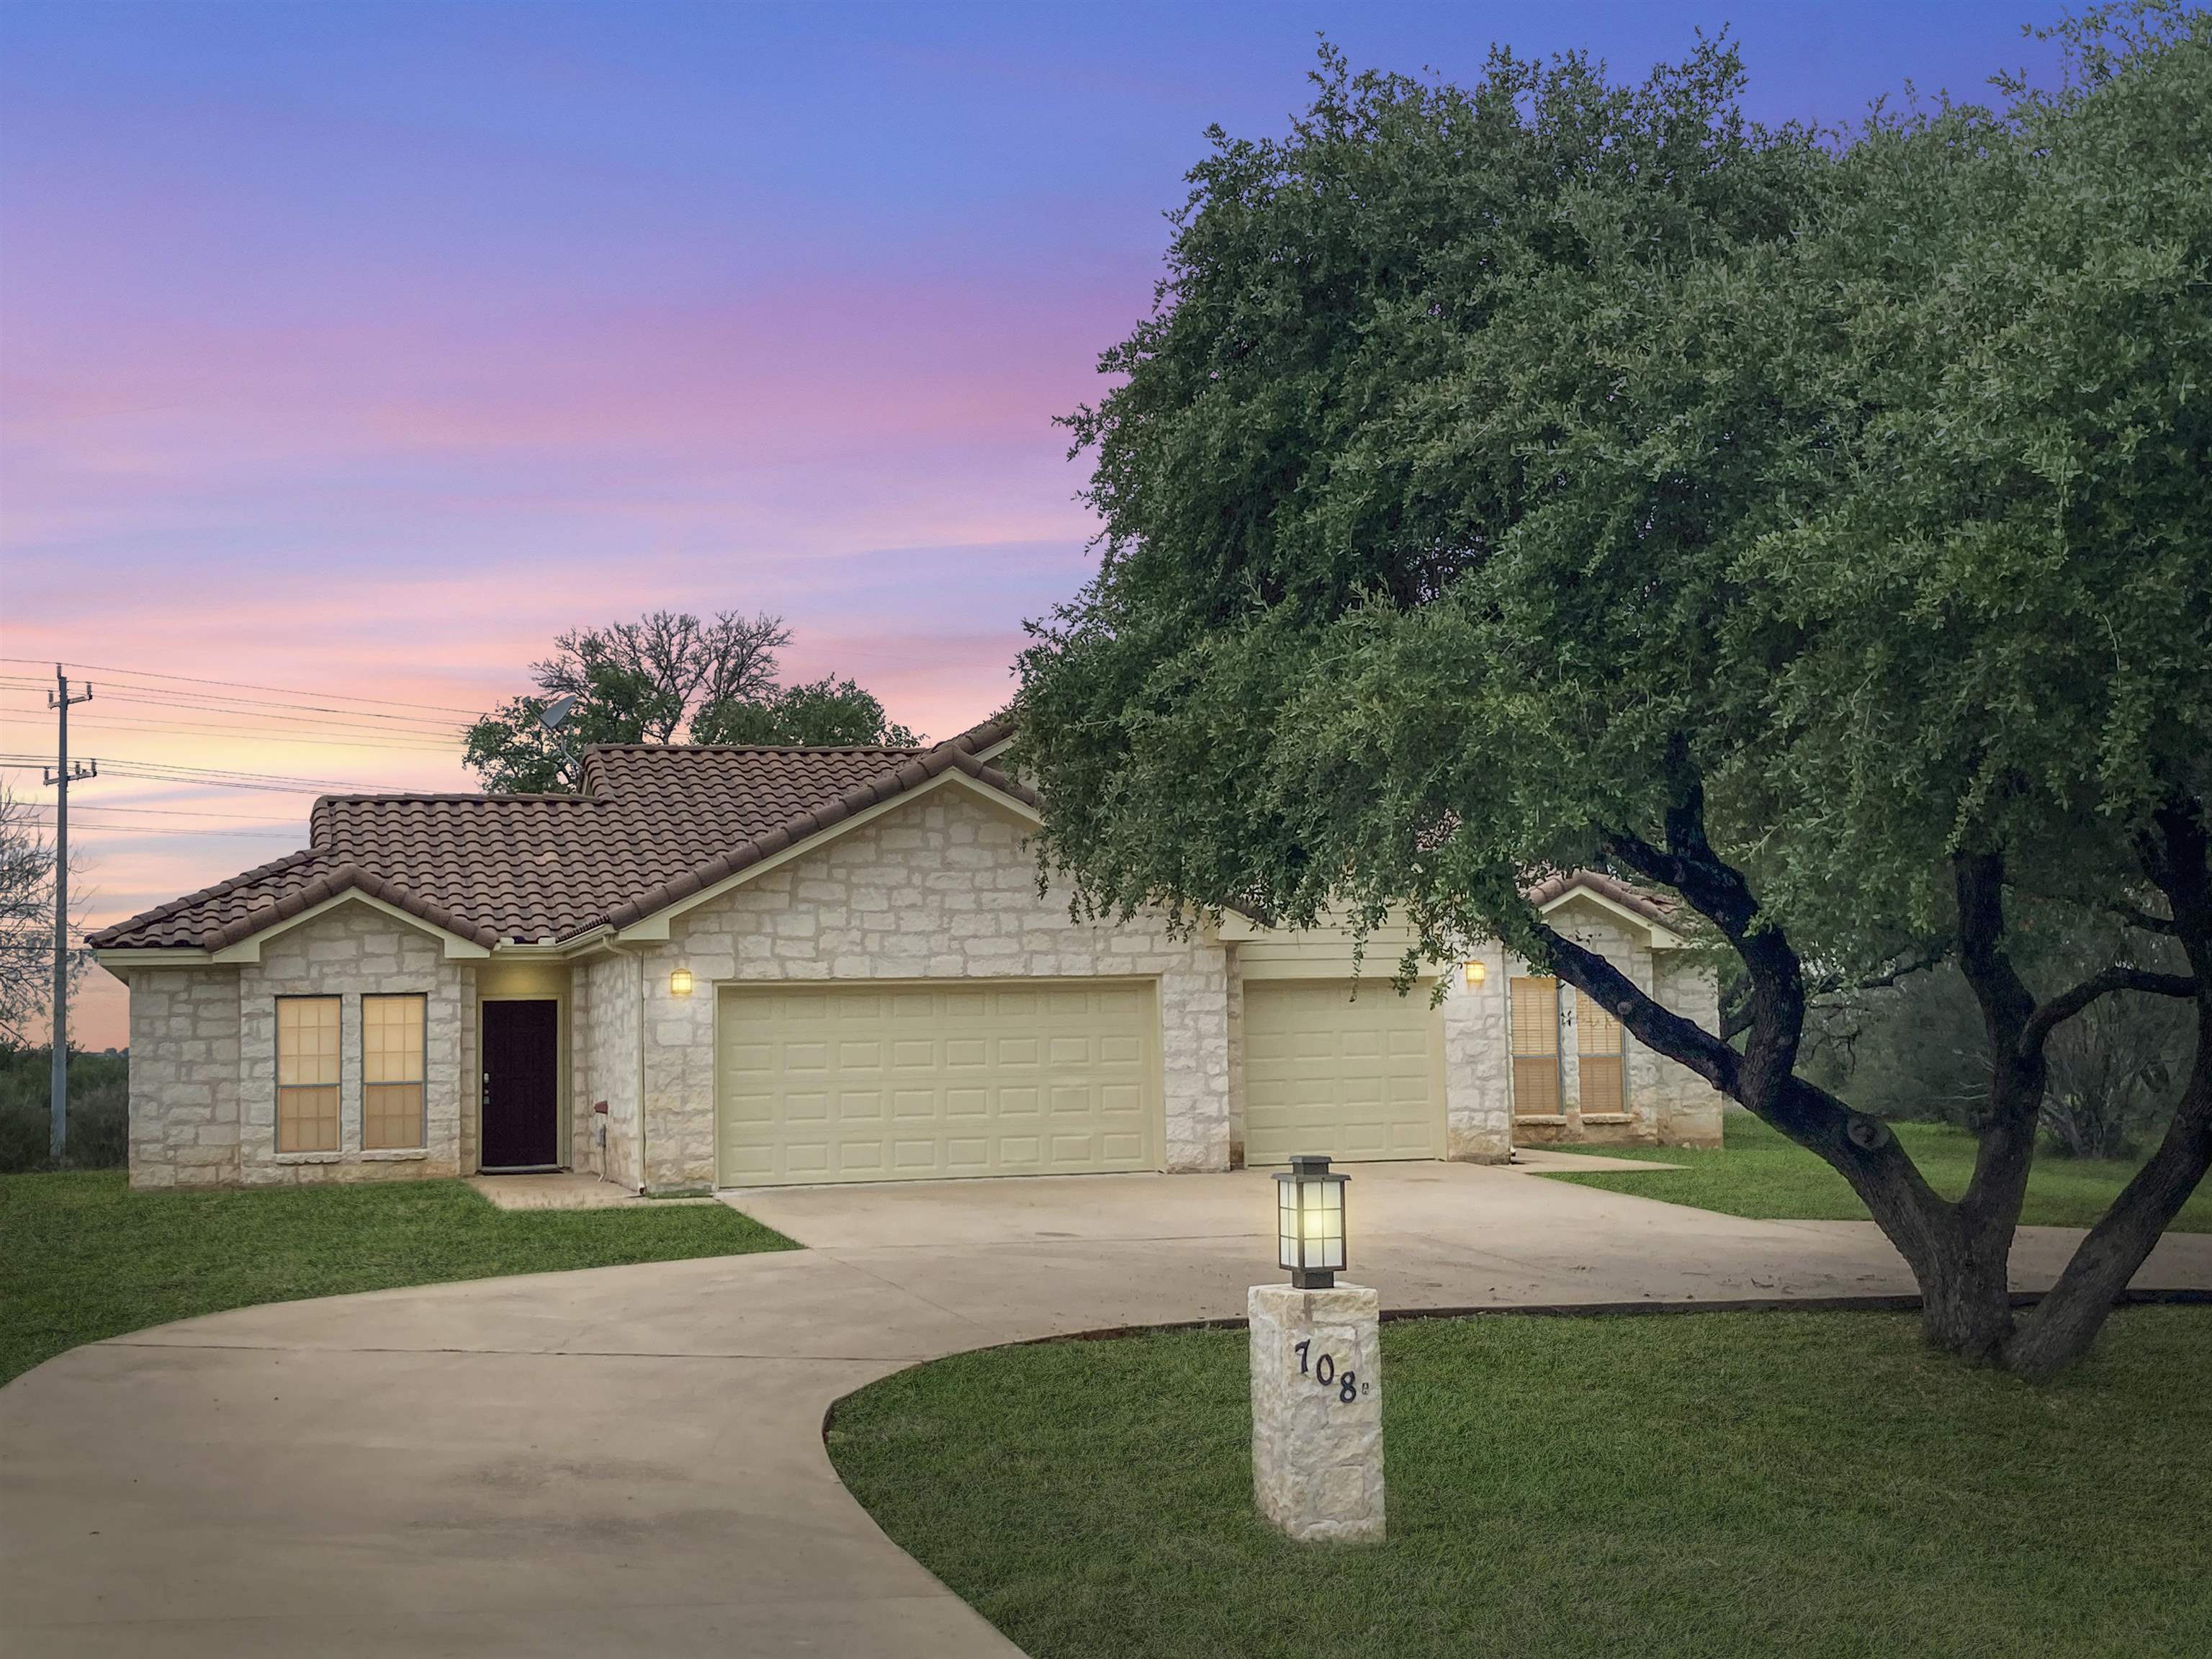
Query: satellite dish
x=556, y=711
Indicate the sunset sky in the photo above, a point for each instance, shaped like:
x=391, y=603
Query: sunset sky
x=349, y=352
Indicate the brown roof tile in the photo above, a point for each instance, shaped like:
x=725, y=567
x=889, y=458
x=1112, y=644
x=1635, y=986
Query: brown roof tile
x=654, y=824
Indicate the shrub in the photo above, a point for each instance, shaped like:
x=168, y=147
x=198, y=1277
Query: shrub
x=99, y=1110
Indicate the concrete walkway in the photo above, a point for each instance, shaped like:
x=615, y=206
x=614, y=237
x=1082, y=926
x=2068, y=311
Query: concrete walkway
x=628, y=1460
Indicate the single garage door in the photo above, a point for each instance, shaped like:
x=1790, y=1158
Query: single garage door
x=908, y=1082
x=1354, y=1078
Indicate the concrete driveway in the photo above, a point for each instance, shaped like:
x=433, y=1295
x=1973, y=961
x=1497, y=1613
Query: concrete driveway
x=628, y=1460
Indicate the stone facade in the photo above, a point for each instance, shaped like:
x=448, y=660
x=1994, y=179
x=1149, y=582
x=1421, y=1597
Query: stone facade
x=941, y=888
x=350, y=952
x=938, y=887
x=607, y=1028
x=183, y=1077
x=1317, y=1412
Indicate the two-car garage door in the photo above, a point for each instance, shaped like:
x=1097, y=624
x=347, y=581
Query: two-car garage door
x=821, y=1083
x=904, y=1082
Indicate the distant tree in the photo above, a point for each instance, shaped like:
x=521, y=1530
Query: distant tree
x=1553, y=473
x=26, y=924
x=645, y=681
x=827, y=711
x=635, y=682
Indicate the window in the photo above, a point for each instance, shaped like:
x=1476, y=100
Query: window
x=1535, y=1047
x=307, y=1074
x=391, y=1073
x=1597, y=1056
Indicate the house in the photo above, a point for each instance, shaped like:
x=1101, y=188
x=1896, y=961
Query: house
x=729, y=966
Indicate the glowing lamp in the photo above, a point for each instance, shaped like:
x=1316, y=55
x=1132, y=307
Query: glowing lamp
x=1309, y=1223
x=679, y=983
x=1476, y=972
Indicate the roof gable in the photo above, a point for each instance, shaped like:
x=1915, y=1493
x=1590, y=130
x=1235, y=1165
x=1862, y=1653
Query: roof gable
x=658, y=824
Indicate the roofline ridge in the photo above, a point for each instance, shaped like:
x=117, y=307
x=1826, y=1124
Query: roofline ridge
x=214, y=889
x=761, y=748
x=914, y=768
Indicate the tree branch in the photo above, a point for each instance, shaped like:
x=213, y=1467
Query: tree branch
x=2065, y=1006
x=1658, y=1028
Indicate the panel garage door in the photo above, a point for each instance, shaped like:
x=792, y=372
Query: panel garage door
x=1355, y=1078
x=906, y=1082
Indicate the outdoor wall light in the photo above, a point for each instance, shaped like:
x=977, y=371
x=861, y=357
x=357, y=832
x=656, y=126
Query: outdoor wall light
x=1476, y=972
x=1309, y=1223
x=679, y=983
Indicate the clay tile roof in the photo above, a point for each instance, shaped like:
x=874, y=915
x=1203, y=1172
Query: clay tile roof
x=654, y=823
x=1646, y=904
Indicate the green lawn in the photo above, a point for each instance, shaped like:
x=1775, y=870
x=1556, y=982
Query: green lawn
x=1807, y=1483
x=1760, y=1173
x=81, y=1256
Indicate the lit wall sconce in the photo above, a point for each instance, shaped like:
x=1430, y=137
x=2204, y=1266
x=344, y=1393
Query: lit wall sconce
x=1476, y=972
x=679, y=983
x=1309, y=1223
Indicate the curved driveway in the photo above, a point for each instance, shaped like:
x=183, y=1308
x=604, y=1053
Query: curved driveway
x=628, y=1460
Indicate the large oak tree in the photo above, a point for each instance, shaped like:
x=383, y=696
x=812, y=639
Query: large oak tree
x=1551, y=472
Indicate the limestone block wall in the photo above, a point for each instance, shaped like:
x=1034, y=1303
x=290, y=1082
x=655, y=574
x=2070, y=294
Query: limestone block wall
x=1478, y=1065
x=350, y=952
x=941, y=887
x=183, y=1077
x=607, y=1034
x=1688, y=1107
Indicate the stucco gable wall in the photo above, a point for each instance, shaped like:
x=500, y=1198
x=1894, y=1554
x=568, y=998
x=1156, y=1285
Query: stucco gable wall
x=944, y=887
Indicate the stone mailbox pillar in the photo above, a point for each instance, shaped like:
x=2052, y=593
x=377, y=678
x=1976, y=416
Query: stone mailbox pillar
x=1317, y=1410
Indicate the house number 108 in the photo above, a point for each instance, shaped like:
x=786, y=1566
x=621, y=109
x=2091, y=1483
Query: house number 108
x=1322, y=1368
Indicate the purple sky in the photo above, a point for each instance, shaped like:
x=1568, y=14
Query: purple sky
x=354, y=351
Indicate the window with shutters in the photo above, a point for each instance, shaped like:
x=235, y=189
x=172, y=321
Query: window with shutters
x=307, y=1074
x=1598, y=1059
x=391, y=1068
x=1535, y=1047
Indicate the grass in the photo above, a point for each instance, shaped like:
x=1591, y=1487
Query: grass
x=83, y=1257
x=1762, y=1174
x=1807, y=1483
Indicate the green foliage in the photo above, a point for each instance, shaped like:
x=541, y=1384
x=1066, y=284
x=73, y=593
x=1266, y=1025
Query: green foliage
x=515, y=754
x=1495, y=456
x=1810, y=1483
x=99, y=1110
x=824, y=712
x=86, y=1258
x=645, y=681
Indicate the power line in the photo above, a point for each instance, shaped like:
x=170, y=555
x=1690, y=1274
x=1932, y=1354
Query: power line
x=165, y=772
x=288, y=713
x=248, y=685
x=123, y=723
x=291, y=712
x=291, y=832
x=164, y=811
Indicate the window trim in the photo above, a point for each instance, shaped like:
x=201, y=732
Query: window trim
x=1593, y=1019
x=1515, y=1054
x=421, y=1083
x=281, y=1087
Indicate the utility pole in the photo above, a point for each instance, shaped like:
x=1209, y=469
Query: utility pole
x=60, y=777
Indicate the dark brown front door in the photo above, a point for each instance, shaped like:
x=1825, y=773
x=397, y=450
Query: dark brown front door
x=521, y=1087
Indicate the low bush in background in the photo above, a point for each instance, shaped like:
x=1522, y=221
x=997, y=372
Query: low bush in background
x=99, y=1110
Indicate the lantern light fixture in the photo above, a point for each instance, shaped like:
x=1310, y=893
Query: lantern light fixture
x=679, y=983
x=1309, y=1223
x=1476, y=972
